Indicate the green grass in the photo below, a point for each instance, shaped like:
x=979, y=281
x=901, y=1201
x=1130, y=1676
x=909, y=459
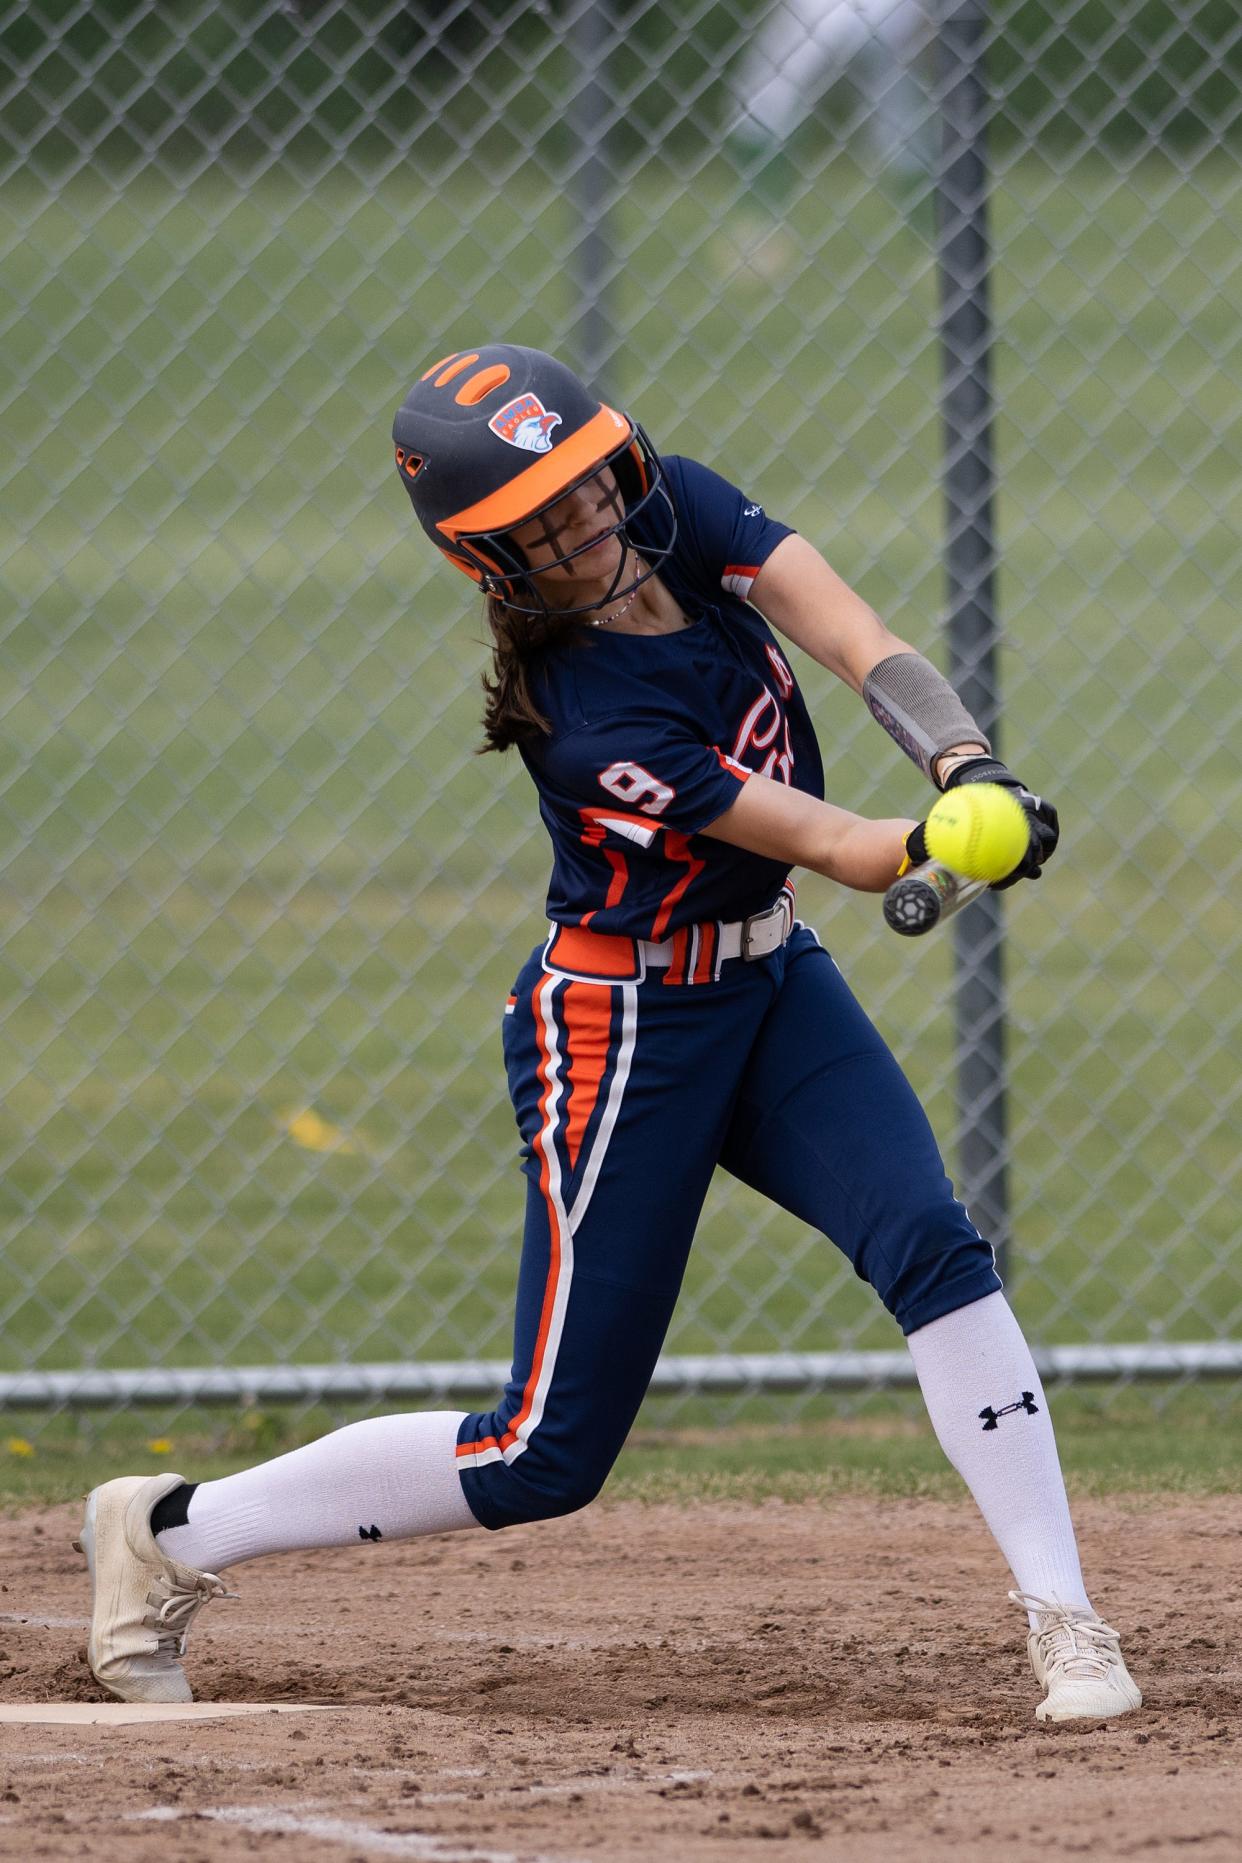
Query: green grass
x=251, y=868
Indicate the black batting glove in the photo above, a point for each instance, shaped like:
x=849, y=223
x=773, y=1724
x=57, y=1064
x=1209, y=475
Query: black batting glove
x=1042, y=818
x=916, y=845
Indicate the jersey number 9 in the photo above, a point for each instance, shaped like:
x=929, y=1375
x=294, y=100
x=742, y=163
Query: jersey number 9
x=636, y=788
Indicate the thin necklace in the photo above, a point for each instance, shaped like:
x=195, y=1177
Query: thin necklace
x=607, y=620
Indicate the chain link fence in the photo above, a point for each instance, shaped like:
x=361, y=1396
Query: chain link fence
x=261, y=902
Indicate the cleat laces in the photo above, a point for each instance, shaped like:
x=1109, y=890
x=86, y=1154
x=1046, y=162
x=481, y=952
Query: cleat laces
x=174, y=1606
x=1082, y=1648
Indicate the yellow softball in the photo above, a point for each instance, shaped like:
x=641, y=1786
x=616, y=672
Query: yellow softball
x=978, y=830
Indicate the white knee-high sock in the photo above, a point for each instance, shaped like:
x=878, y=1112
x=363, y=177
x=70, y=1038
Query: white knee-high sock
x=976, y=1360
x=388, y=1478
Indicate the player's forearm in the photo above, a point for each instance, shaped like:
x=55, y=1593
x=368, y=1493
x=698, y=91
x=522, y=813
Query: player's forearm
x=784, y=824
x=866, y=854
x=803, y=597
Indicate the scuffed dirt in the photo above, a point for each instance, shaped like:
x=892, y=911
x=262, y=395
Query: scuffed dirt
x=714, y=1682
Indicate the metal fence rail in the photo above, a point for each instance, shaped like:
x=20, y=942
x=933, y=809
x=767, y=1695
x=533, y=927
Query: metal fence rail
x=744, y=1373
x=261, y=903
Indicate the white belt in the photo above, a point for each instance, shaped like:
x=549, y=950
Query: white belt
x=755, y=937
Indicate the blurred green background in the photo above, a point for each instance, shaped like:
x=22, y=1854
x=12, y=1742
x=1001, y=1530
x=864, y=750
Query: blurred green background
x=237, y=78
x=262, y=905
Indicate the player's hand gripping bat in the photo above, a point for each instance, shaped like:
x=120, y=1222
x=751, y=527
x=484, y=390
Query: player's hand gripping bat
x=985, y=832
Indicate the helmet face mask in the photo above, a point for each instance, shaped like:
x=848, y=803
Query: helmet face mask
x=493, y=439
x=507, y=573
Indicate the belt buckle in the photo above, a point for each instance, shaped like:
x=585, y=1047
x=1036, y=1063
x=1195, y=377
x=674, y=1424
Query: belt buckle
x=775, y=915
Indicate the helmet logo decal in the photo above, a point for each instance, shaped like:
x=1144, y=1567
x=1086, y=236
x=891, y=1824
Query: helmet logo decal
x=525, y=423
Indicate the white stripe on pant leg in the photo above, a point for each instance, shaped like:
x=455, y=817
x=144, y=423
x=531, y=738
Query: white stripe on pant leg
x=545, y=994
x=620, y=1079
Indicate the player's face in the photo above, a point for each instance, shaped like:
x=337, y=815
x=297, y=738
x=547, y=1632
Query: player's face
x=577, y=528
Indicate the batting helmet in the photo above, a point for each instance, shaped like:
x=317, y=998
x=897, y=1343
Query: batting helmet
x=490, y=437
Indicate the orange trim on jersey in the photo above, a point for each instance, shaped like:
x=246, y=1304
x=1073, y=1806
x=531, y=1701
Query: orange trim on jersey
x=620, y=876
x=586, y=1017
x=540, y=484
x=676, y=847
x=705, y=969
x=598, y=815
x=732, y=765
x=594, y=835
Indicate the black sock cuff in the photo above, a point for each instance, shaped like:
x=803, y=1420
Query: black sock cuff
x=173, y=1508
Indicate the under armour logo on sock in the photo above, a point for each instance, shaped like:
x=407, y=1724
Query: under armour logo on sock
x=991, y=1418
x=373, y=1533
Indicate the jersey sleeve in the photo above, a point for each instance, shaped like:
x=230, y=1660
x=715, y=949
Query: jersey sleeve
x=649, y=769
x=731, y=535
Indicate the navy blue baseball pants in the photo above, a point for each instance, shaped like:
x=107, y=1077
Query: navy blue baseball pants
x=627, y=1096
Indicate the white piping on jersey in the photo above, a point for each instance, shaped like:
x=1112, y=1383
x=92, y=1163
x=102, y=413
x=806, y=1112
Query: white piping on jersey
x=632, y=831
x=739, y=579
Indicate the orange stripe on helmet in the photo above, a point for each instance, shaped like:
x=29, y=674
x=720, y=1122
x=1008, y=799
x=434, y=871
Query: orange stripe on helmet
x=455, y=368
x=481, y=383
x=472, y=569
x=539, y=485
x=436, y=366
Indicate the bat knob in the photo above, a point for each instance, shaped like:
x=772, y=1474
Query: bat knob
x=911, y=906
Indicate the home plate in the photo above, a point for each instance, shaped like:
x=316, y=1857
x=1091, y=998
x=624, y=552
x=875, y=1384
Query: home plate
x=129, y=1713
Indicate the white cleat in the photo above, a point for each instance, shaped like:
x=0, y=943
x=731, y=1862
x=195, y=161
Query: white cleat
x=142, y=1603
x=1078, y=1663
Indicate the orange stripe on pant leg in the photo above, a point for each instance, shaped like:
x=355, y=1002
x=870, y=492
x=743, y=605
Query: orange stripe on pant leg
x=544, y=1140
x=586, y=1016
x=484, y=1442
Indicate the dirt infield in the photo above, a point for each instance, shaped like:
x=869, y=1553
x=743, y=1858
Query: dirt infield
x=713, y=1682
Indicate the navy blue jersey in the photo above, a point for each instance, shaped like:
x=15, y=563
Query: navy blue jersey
x=653, y=735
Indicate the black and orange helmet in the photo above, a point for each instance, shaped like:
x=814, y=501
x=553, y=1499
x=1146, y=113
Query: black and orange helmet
x=489, y=437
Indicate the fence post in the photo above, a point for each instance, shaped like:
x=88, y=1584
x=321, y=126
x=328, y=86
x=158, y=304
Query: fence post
x=963, y=261
x=588, y=183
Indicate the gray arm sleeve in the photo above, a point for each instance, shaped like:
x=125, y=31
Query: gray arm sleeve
x=919, y=708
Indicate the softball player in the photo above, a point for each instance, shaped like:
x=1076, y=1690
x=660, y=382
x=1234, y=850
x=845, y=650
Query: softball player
x=676, y=1017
